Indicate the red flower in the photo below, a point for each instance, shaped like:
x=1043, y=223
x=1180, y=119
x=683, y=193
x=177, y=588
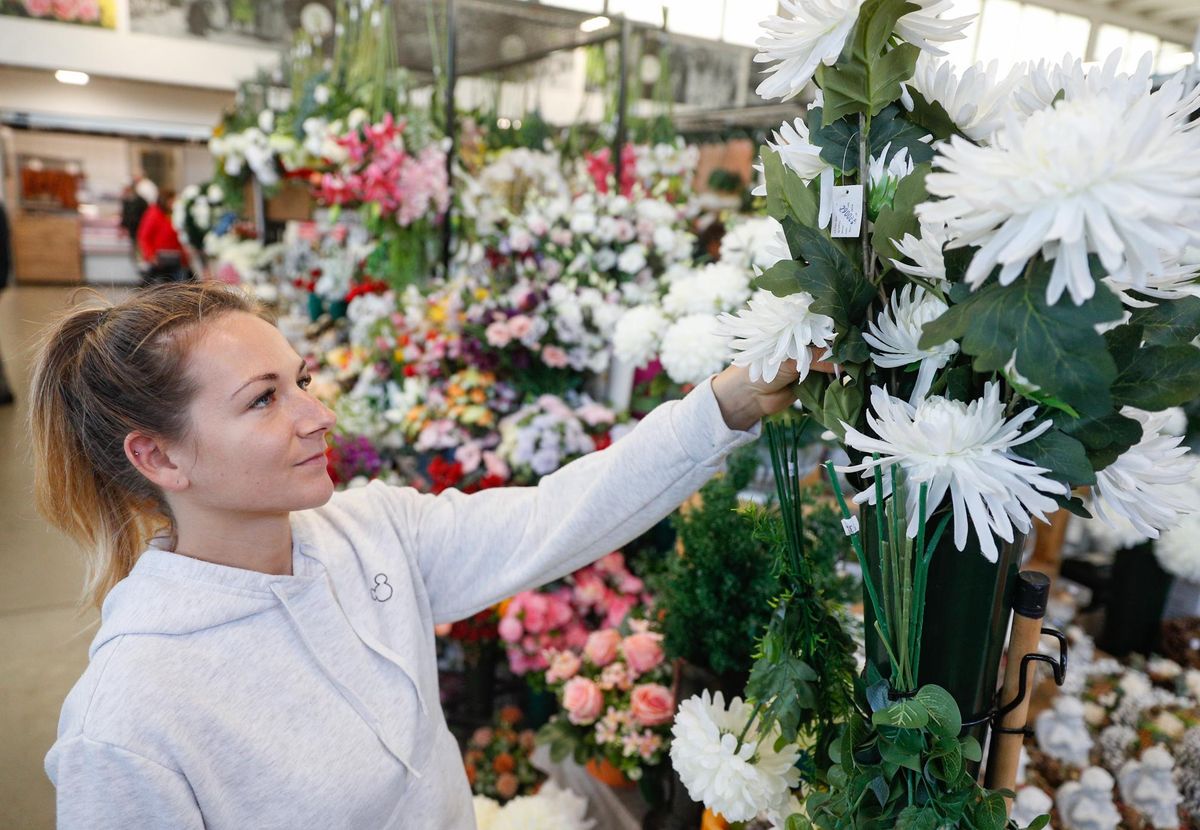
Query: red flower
x=602, y=441
x=444, y=474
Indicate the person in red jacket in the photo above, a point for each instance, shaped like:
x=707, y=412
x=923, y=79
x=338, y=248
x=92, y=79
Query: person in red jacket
x=158, y=241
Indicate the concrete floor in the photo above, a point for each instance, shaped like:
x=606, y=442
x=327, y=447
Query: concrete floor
x=44, y=638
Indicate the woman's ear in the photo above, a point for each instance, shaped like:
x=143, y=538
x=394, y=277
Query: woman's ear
x=149, y=457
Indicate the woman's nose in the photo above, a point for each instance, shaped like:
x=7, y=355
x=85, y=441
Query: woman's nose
x=316, y=417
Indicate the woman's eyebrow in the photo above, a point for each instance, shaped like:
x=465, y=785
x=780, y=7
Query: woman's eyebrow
x=269, y=376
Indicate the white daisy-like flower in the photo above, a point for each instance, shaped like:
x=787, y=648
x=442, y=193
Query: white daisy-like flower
x=809, y=33
x=552, y=808
x=1176, y=549
x=1040, y=86
x=976, y=101
x=797, y=151
x=754, y=243
x=638, y=333
x=1141, y=485
x=883, y=178
x=710, y=289
x=693, y=349
x=739, y=782
x=774, y=329
x=964, y=449
x=894, y=334
x=925, y=252
x=1180, y=278
x=1096, y=174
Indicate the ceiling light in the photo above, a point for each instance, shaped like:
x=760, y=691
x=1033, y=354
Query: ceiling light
x=70, y=76
x=595, y=24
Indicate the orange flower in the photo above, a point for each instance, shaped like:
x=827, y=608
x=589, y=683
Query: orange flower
x=471, y=774
x=507, y=785
x=510, y=715
x=504, y=763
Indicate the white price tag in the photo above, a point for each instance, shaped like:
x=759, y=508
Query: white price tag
x=850, y=526
x=847, y=210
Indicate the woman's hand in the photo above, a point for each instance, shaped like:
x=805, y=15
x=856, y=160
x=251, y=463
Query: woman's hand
x=744, y=402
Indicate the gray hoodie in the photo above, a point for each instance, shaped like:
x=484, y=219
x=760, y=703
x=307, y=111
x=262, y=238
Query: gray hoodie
x=224, y=698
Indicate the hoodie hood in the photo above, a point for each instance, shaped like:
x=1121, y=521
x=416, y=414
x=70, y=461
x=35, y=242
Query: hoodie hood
x=169, y=593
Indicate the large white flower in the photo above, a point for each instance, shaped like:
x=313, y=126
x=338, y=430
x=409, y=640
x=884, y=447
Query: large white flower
x=553, y=808
x=739, y=782
x=1093, y=174
x=638, y=333
x=692, y=349
x=895, y=333
x=754, y=243
x=976, y=100
x=1141, y=485
x=963, y=449
x=812, y=32
x=774, y=329
x=710, y=289
x=925, y=252
x=1180, y=278
x=1040, y=86
x=1176, y=549
x=797, y=151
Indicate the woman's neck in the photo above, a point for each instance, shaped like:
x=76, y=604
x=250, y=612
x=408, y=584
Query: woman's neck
x=260, y=543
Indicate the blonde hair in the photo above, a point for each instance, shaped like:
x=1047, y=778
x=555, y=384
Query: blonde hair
x=99, y=374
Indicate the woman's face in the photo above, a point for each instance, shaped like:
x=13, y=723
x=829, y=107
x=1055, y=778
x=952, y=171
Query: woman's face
x=258, y=437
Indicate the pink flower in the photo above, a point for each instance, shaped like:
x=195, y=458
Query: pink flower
x=89, y=11
x=66, y=9
x=583, y=700
x=589, y=588
x=495, y=465
x=558, y=613
x=519, y=326
x=630, y=584
x=576, y=636
x=499, y=335
x=619, y=607
x=611, y=563
x=616, y=676
x=555, y=357
x=601, y=647
x=535, y=611
x=642, y=651
x=652, y=704
x=563, y=666
x=38, y=8
x=469, y=455
x=510, y=629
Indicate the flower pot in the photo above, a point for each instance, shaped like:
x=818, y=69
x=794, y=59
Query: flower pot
x=967, y=607
x=603, y=771
x=712, y=821
x=1137, y=595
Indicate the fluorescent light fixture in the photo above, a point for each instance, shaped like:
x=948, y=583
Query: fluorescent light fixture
x=595, y=24
x=70, y=76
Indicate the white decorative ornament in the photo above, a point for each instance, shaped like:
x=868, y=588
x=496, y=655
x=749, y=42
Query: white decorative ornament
x=1062, y=731
x=1087, y=804
x=1029, y=804
x=774, y=329
x=894, y=334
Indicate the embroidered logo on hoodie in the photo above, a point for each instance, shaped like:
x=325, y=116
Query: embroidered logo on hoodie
x=382, y=591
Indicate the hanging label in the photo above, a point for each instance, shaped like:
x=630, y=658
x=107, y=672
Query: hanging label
x=847, y=211
x=850, y=526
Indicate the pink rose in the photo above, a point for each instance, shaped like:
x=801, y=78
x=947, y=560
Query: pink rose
x=536, y=606
x=89, y=11
x=38, y=8
x=642, y=651
x=583, y=700
x=611, y=563
x=618, y=607
x=555, y=358
x=510, y=629
x=563, y=666
x=630, y=584
x=589, y=588
x=519, y=326
x=652, y=704
x=498, y=335
x=601, y=647
x=576, y=635
x=558, y=613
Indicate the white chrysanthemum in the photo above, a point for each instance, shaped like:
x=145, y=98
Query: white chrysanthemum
x=1096, y=174
x=710, y=289
x=692, y=349
x=1103, y=537
x=976, y=100
x=925, y=252
x=754, y=243
x=486, y=811
x=895, y=333
x=739, y=782
x=1176, y=549
x=896, y=168
x=1040, y=86
x=966, y=450
x=638, y=333
x=797, y=151
x=553, y=808
x=1180, y=278
x=1141, y=485
x=774, y=329
x=812, y=32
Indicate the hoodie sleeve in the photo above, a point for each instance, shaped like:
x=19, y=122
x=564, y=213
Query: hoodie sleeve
x=105, y=787
x=475, y=550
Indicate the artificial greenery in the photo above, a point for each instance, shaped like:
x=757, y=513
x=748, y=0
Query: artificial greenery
x=713, y=597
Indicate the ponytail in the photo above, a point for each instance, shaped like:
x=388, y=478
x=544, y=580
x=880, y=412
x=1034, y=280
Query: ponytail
x=99, y=374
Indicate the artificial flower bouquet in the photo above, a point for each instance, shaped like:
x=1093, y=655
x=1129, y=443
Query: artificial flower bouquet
x=560, y=616
x=497, y=759
x=546, y=434
x=552, y=808
x=615, y=697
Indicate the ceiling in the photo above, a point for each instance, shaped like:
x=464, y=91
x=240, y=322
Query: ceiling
x=1174, y=20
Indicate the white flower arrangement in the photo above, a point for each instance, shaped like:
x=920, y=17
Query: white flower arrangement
x=774, y=329
x=693, y=349
x=553, y=808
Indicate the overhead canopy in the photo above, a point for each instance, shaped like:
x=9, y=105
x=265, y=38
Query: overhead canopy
x=1173, y=20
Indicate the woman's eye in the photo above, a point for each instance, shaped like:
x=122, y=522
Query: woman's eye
x=263, y=399
x=304, y=383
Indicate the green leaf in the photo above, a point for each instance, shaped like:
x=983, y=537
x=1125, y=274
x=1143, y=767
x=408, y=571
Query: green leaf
x=1064, y=456
x=1171, y=323
x=895, y=755
x=839, y=141
x=990, y=813
x=865, y=84
x=797, y=821
x=900, y=218
x=944, y=718
x=1158, y=377
x=971, y=749
x=1038, y=823
x=787, y=194
x=906, y=713
x=1104, y=437
x=785, y=690
x=850, y=347
x=781, y=279
x=842, y=403
x=931, y=116
x=1056, y=347
x=917, y=818
x=880, y=788
x=838, y=287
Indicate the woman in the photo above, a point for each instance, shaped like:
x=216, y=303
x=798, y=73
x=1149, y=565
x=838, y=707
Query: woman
x=159, y=244
x=269, y=661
